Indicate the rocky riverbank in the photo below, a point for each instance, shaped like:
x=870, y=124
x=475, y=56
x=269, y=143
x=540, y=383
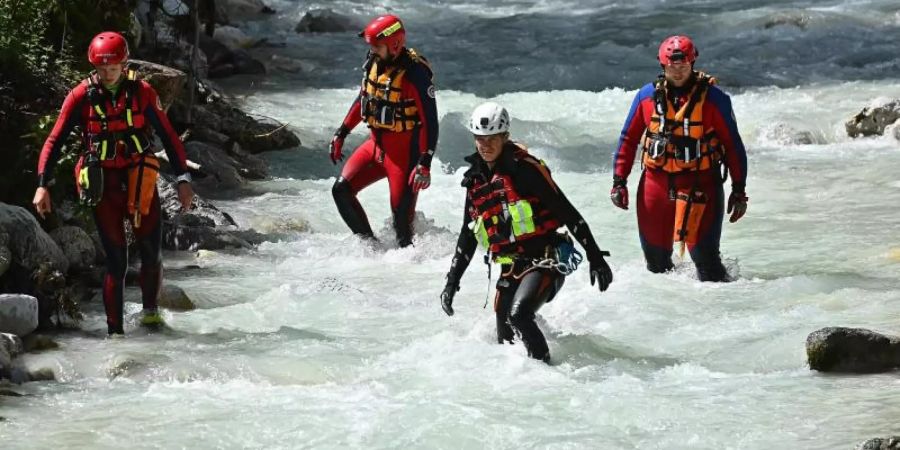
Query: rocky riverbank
x=52, y=266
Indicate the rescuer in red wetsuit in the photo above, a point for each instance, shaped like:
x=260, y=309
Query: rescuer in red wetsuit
x=117, y=173
x=397, y=103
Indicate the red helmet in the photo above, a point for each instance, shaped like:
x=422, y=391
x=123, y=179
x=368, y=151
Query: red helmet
x=677, y=49
x=108, y=48
x=388, y=30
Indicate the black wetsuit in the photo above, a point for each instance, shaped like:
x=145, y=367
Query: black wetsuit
x=522, y=289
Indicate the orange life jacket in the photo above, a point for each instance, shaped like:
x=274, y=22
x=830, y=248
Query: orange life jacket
x=677, y=140
x=382, y=101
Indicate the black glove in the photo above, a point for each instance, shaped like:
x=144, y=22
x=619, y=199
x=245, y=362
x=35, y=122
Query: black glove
x=600, y=271
x=447, y=298
x=737, y=203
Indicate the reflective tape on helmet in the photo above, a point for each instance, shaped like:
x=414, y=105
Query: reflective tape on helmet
x=391, y=29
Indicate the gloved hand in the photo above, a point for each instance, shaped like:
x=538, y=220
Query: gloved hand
x=600, y=271
x=447, y=298
x=337, y=143
x=737, y=204
x=420, y=178
x=619, y=192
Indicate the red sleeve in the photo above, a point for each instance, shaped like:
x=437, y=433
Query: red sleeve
x=70, y=115
x=157, y=117
x=354, y=116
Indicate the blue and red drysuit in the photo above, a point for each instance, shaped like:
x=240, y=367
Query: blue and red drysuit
x=656, y=206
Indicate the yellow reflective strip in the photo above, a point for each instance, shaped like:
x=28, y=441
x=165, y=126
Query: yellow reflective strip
x=83, y=179
x=137, y=144
x=103, y=148
x=391, y=29
x=503, y=259
x=480, y=233
x=529, y=217
x=522, y=215
x=128, y=117
x=99, y=111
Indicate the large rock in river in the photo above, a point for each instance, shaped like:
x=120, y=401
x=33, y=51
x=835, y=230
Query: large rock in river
x=873, y=119
x=852, y=350
x=891, y=443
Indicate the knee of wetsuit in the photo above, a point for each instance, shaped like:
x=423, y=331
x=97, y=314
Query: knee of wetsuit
x=341, y=188
x=519, y=317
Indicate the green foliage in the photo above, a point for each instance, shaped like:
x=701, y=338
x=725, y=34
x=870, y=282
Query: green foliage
x=23, y=49
x=43, y=46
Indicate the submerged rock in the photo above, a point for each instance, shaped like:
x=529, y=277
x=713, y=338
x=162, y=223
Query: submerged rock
x=38, y=343
x=786, y=135
x=891, y=443
x=873, y=120
x=852, y=350
x=795, y=18
x=173, y=297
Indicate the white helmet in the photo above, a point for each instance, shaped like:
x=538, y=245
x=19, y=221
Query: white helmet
x=489, y=118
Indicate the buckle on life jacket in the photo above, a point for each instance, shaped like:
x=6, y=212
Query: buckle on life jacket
x=686, y=149
x=656, y=146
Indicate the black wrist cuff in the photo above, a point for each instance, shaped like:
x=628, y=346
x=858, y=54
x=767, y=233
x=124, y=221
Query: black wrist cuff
x=619, y=181
x=43, y=180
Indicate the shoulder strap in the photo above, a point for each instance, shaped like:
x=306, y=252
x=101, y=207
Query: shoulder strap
x=659, y=95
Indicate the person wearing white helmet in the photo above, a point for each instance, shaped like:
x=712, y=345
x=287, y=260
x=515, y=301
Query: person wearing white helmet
x=513, y=209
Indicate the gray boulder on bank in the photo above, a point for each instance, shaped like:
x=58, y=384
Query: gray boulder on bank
x=852, y=350
x=872, y=120
x=242, y=10
x=225, y=169
x=5, y=254
x=166, y=81
x=203, y=227
x=29, y=245
x=18, y=314
x=891, y=443
x=252, y=135
x=327, y=21
x=10, y=347
x=77, y=245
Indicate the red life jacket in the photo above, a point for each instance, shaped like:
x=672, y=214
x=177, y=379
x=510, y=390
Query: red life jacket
x=116, y=126
x=502, y=217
